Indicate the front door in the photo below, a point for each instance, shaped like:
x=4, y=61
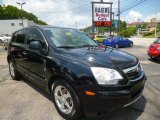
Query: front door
x=36, y=61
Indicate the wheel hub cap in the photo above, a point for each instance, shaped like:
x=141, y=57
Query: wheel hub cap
x=11, y=69
x=63, y=99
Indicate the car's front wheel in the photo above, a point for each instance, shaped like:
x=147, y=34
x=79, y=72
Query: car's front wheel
x=117, y=46
x=13, y=71
x=131, y=45
x=65, y=100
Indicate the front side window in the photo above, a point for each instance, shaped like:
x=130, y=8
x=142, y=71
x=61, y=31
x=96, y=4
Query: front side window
x=123, y=38
x=21, y=36
x=62, y=37
x=35, y=35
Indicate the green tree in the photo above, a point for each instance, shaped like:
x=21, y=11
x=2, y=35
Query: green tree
x=128, y=32
x=11, y=12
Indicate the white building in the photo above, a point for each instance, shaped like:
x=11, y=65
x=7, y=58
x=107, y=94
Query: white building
x=10, y=26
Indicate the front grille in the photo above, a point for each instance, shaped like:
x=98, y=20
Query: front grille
x=133, y=72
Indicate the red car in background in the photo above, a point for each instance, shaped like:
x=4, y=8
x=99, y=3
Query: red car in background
x=154, y=49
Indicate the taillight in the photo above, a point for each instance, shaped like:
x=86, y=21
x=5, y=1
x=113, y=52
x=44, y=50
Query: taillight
x=158, y=48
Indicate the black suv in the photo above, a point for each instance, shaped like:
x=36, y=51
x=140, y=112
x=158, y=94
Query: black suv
x=80, y=75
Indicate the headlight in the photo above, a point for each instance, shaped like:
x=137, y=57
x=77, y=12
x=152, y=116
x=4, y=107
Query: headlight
x=106, y=76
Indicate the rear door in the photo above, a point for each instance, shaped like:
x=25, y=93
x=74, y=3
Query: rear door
x=17, y=49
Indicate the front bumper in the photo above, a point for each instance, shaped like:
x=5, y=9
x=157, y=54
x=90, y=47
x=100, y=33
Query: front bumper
x=108, y=100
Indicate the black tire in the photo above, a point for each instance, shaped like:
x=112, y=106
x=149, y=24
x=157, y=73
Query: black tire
x=117, y=46
x=16, y=75
x=76, y=109
x=131, y=45
x=150, y=56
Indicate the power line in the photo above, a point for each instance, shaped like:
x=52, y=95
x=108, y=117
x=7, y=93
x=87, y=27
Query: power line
x=131, y=3
x=133, y=6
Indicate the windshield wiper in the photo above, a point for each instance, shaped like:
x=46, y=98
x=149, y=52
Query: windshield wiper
x=88, y=46
x=65, y=47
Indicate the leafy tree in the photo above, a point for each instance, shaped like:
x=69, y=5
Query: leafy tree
x=11, y=12
x=128, y=32
x=158, y=26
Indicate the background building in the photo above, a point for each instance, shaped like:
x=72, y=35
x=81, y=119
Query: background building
x=10, y=26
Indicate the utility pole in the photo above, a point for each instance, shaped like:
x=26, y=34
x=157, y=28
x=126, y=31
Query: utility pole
x=138, y=23
x=21, y=4
x=113, y=22
x=156, y=28
x=119, y=15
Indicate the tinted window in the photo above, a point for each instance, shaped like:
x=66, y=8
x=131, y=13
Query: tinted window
x=123, y=38
x=35, y=34
x=14, y=37
x=21, y=36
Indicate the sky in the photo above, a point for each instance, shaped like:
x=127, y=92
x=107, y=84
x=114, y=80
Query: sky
x=72, y=13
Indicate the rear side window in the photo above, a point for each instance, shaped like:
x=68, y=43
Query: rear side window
x=14, y=37
x=21, y=36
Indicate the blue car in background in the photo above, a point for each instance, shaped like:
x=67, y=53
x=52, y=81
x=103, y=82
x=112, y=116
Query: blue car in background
x=117, y=42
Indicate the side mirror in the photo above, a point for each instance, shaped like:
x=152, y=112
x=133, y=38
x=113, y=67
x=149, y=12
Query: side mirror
x=35, y=45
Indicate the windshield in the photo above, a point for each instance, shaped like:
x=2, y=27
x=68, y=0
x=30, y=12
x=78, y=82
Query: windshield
x=157, y=41
x=65, y=37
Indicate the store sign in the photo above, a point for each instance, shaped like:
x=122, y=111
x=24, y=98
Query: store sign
x=116, y=23
x=102, y=15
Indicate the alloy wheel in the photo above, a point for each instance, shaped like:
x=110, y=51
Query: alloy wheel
x=11, y=67
x=63, y=99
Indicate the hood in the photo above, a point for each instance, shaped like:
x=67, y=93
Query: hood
x=101, y=58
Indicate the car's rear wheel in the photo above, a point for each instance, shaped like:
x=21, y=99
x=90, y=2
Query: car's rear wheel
x=13, y=71
x=131, y=45
x=65, y=100
x=117, y=46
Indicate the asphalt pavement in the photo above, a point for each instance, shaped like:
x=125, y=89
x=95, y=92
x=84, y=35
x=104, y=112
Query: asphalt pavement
x=22, y=100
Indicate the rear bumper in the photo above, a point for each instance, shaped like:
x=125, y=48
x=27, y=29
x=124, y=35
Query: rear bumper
x=113, y=99
x=153, y=53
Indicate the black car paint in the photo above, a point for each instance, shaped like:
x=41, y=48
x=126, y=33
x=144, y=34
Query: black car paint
x=43, y=67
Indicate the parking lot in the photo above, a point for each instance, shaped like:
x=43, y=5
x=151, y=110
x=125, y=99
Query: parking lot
x=22, y=100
